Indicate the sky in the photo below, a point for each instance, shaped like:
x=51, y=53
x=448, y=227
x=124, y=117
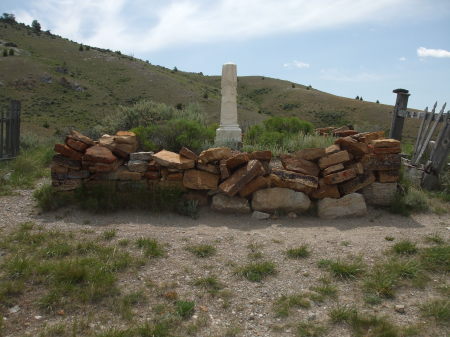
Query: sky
x=345, y=47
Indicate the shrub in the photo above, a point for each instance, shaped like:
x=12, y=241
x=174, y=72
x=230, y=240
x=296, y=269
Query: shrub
x=298, y=253
x=151, y=247
x=5, y=52
x=405, y=247
x=48, y=199
x=185, y=308
x=11, y=52
x=257, y=271
x=36, y=26
x=438, y=309
x=202, y=250
x=343, y=269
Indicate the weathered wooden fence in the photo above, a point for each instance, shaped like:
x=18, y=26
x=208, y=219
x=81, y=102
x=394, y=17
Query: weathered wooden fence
x=10, y=130
x=440, y=147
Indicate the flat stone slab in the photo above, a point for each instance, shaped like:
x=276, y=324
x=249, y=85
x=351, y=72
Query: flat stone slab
x=173, y=160
x=351, y=205
x=380, y=194
x=226, y=204
x=144, y=156
x=280, y=199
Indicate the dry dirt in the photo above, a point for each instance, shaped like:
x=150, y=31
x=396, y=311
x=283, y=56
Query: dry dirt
x=250, y=307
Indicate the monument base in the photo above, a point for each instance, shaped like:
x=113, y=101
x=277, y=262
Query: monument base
x=229, y=135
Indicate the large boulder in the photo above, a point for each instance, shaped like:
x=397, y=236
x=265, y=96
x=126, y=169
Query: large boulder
x=226, y=204
x=99, y=154
x=347, y=206
x=280, y=199
x=380, y=194
x=214, y=153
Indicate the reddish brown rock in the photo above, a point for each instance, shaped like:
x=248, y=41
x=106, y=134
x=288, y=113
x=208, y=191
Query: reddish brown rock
x=185, y=152
x=152, y=175
x=55, y=168
x=326, y=191
x=339, y=177
x=99, y=154
x=173, y=160
x=241, y=177
x=260, y=155
x=101, y=167
x=125, y=174
x=153, y=166
x=358, y=167
x=76, y=144
x=256, y=184
x=300, y=165
x=357, y=183
x=293, y=180
x=332, y=149
x=345, y=133
x=211, y=168
x=213, y=154
x=175, y=176
x=386, y=150
x=367, y=137
x=310, y=154
x=66, y=162
x=200, y=180
x=67, y=151
x=353, y=146
x=81, y=138
x=382, y=162
x=387, y=176
x=333, y=159
x=333, y=169
x=224, y=171
x=237, y=160
x=387, y=142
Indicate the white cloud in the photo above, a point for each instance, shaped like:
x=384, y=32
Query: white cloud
x=143, y=26
x=296, y=64
x=339, y=76
x=425, y=52
x=402, y=58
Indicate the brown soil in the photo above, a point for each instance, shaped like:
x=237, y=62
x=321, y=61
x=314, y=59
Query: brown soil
x=250, y=306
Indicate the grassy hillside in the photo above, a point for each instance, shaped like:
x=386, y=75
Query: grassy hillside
x=61, y=86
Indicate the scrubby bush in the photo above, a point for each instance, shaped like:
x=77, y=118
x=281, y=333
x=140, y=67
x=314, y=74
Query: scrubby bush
x=284, y=133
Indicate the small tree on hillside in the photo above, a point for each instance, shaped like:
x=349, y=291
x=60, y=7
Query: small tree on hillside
x=80, y=48
x=36, y=26
x=8, y=18
x=361, y=99
x=357, y=97
x=11, y=52
x=378, y=102
x=5, y=53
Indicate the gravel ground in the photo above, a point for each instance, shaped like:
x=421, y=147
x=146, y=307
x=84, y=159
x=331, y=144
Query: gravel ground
x=249, y=307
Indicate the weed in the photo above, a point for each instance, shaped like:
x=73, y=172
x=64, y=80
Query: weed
x=298, y=253
x=185, y=309
x=438, y=309
x=385, y=277
x=308, y=329
x=151, y=247
x=284, y=304
x=109, y=234
x=126, y=302
x=325, y=289
x=344, y=269
x=434, y=238
x=210, y=283
x=202, y=250
x=342, y=314
x=436, y=258
x=257, y=271
x=405, y=247
x=389, y=238
x=49, y=199
x=124, y=242
x=188, y=208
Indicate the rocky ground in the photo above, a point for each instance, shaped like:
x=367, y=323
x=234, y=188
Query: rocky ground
x=242, y=308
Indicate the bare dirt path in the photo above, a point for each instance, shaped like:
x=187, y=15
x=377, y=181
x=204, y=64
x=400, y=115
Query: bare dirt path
x=249, y=306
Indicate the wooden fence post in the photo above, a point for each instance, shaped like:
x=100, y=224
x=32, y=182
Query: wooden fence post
x=15, y=127
x=399, y=113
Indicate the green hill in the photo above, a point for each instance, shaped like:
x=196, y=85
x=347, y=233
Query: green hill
x=62, y=86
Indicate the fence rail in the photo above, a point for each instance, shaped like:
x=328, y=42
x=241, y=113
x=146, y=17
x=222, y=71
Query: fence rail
x=10, y=131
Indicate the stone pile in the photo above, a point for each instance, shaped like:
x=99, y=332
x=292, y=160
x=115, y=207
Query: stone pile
x=239, y=182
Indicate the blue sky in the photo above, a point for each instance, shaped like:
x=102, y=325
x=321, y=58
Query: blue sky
x=344, y=47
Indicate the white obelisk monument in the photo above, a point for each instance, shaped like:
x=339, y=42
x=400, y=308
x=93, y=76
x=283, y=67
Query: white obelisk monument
x=229, y=131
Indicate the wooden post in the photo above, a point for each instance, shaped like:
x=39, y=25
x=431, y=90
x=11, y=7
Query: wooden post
x=398, y=119
x=439, y=157
x=15, y=130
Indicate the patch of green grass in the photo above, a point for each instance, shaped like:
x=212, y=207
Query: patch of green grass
x=436, y=259
x=309, y=329
x=389, y=238
x=405, y=247
x=285, y=303
x=125, y=303
x=123, y=242
x=257, y=271
x=344, y=269
x=438, y=309
x=434, y=238
x=324, y=290
x=368, y=325
x=185, y=309
x=210, y=283
x=298, y=252
x=109, y=234
x=414, y=200
x=49, y=199
x=202, y=250
x=151, y=247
